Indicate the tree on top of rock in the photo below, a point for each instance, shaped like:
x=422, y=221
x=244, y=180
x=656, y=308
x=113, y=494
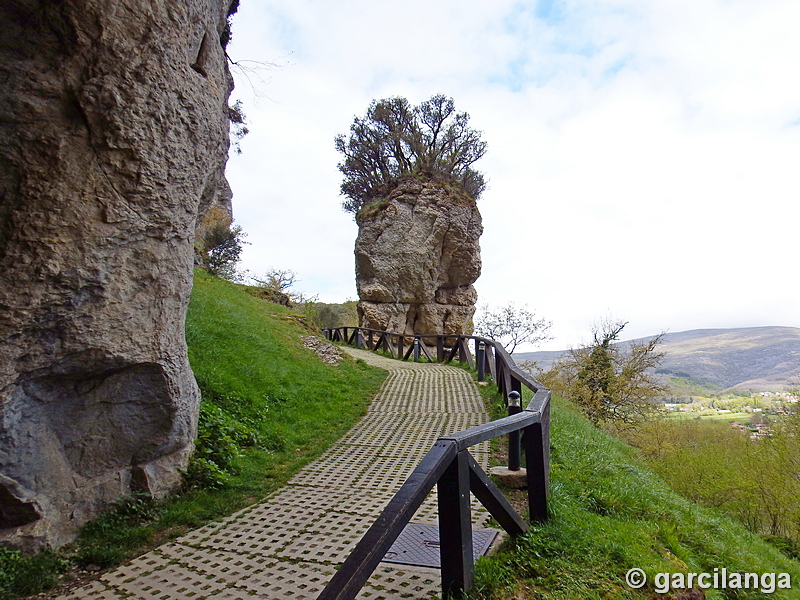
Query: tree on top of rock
x=395, y=140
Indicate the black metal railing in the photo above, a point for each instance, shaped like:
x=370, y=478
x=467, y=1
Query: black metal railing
x=449, y=465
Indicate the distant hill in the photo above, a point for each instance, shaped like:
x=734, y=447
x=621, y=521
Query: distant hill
x=745, y=359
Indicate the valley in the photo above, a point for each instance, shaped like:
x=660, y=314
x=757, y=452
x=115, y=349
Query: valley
x=719, y=361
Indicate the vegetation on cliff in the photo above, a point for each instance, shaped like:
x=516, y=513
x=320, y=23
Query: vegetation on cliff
x=395, y=140
x=752, y=474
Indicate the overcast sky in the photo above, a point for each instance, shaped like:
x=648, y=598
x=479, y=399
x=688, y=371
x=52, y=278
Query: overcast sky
x=642, y=154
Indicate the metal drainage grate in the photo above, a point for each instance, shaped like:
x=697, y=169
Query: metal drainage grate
x=418, y=545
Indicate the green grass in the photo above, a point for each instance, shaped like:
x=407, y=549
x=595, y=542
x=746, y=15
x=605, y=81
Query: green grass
x=25, y=575
x=279, y=407
x=711, y=416
x=248, y=360
x=257, y=381
x=608, y=515
x=274, y=403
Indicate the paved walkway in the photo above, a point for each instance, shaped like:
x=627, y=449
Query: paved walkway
x=288, y=546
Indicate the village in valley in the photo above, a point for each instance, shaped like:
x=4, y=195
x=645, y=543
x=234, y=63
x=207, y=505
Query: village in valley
x=755, y=412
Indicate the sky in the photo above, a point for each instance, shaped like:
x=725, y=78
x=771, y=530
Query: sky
x=642, y=154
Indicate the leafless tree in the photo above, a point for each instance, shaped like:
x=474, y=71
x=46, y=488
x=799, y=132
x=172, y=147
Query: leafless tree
x=512, y=326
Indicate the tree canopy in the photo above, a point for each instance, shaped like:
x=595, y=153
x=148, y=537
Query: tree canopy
x=395, y=139
x=608, y=380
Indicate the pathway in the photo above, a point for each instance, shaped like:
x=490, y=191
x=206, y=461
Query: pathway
x=287, y=546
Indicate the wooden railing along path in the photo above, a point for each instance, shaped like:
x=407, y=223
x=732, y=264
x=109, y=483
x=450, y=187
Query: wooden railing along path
x=449, y=465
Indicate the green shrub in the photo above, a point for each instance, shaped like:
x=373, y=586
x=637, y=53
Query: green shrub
x=26, y=575
x=220, y=440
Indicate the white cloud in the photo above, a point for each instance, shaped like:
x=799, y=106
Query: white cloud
x=642, y=157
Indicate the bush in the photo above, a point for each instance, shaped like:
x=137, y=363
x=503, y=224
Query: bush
x=220, y=439
x=220, y=250
x=25, y=575
x=332, y=315
x=611, y=382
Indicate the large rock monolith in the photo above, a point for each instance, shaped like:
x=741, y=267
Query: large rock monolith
x=113, y=140
x=417, y=256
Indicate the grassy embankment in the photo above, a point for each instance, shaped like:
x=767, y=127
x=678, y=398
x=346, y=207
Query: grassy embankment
x=611, y=514
x=269, y=407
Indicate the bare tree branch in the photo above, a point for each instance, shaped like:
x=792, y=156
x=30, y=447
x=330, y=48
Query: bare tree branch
x=512, y=326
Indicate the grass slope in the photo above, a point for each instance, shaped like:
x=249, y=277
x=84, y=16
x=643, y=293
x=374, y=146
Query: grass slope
x=257, y=382
x=248, y=359
x=611, y=514
x=256, y=378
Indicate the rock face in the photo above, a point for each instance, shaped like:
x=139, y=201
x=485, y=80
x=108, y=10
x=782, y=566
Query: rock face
x=417, y=256
x=113, y=140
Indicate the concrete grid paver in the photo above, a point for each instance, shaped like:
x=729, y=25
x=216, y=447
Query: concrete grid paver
x=288, y=546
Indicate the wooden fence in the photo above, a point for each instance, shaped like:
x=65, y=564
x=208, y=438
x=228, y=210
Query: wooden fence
x=449, y=465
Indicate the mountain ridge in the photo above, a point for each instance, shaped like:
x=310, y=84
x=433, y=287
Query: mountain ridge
x=754, y=359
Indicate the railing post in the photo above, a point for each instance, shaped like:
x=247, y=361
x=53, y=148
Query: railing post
x=537, y=460
x=455, y=528
x=462, y=350
x=502, y=378
x=480, y=356
x=514, y=407
x=439, y=348
x=400, y=347
x=416, y=349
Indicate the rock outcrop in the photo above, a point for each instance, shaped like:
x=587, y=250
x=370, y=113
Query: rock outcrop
x=113, y=139
x=417, y=256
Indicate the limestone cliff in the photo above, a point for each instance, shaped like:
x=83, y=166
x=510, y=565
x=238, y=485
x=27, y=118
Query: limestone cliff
x=417, y=256
x=113, y=139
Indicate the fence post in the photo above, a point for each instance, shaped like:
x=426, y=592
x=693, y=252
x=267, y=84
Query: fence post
x=455, y=528
x=537, y=459
x=462, y=350
x=480, y=356
x=514, y=407
x=416, y=349
x=502, y=377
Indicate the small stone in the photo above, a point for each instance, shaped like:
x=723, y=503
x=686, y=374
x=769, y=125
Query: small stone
x=513, y=479
x=327, y=352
